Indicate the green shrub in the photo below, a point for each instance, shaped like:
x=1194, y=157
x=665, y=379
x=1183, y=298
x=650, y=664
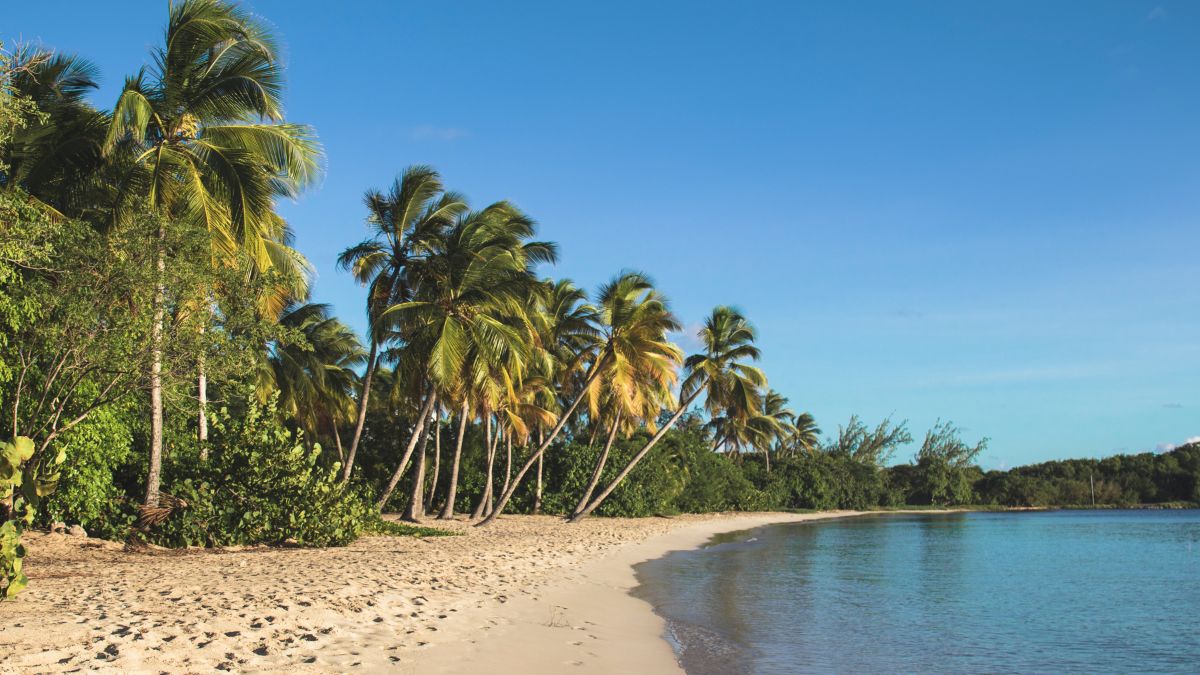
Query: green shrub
x=260, y=485
x=88, y=493
x=24, y=480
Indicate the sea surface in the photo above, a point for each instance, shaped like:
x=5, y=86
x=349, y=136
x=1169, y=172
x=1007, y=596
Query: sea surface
x=1017, y=592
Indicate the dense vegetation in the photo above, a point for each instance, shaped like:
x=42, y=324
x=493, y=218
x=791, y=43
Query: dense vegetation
x=161, y=360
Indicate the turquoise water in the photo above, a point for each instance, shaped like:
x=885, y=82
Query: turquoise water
x=1044, y=592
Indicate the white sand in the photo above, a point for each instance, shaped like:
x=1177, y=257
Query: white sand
x=528, y=595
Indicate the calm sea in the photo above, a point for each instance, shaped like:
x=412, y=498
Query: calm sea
x=1045, y=592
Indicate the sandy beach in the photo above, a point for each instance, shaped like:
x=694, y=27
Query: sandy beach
x=530, y=594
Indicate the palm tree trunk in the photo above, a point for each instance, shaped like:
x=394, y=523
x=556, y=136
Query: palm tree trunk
x=537, y=495
x=437, y=459
x=416, y=505
x=489, y=449
x=362, y=410
x=636, y=458
x=558, y=427
x=767, y=458
x=418, y=427
x=337, y=439
x=507, y=462
x=202, y=397
x=154, y=474
x=599, y=470
x=202, y=379
x=452, y=492
x=447, y=512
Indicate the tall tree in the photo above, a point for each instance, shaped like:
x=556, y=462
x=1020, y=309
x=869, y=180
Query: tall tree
x=206, y=147
x=634, y=321
x=404, y=221
x=467, y=316
x=721, y=372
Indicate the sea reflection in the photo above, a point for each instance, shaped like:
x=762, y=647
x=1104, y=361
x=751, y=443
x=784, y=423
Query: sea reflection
x=978, y=592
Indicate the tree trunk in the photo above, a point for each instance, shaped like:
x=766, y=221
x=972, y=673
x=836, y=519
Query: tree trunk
x=636, y=458
x=437, y=459
x=202, y=417
x=507, y=462
x=362, y=410
x=489, y=449
x=418, y=427
x=416, y=505
x=337, y=439
x=154, y=475
x=537, y=495
x=767, y=458
x=599, y=470
x=558, y=427
x=452, y=492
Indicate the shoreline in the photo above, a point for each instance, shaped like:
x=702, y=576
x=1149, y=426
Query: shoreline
x=590, y=622
x=528, y=594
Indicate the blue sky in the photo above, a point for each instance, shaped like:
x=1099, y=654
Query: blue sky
x=987, y=212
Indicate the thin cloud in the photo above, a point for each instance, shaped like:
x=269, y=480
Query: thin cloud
x=430, y=132
x=1167, y=447
x=1157, y=13
x=1173, y=406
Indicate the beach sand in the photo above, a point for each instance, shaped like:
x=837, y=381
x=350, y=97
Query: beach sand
x=530, y=594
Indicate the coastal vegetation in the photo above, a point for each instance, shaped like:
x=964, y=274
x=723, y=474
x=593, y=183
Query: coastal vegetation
x=165, y=377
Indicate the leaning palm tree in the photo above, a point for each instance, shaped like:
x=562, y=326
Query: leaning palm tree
x=567, y=340
x=634, y=401
x=720, y=372
x=201, y=143
x=635, y=321
x=403, y=222
x=465, y=320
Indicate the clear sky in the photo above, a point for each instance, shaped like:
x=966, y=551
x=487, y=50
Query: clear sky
x=987, y=212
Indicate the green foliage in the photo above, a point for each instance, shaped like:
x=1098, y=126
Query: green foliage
x=869, y=446
x=1120, y=480
x=824, y=481
x=260, y=485
x=24, y=481
x=97, y=452
x=945, y=471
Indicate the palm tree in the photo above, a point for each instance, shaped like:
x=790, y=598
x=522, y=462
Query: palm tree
x=315, y=375
x=201, y=143
x=779, y=424
x=635, y=320
x=633, y=394
x=567, y=342
x=738, y=428
x=466, y=319
x=806, y=435
x=719, y=372
x=55, y=156
x=403, y=221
